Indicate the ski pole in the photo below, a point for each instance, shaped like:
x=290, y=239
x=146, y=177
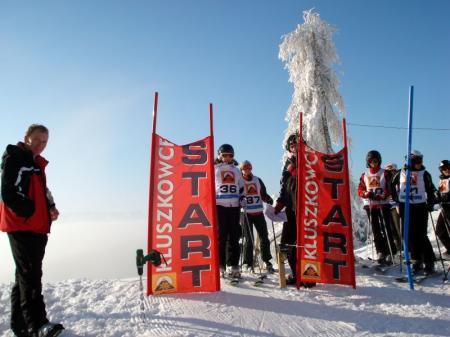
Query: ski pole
x=446, y=222
x=401, y=241
x=447, y=226
x=369, y=216
x=243, y=237
x=274, y=238
x=439, y=247
x=386, y=233
x=370, y=237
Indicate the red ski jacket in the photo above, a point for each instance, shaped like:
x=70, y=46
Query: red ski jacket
x=24, y=205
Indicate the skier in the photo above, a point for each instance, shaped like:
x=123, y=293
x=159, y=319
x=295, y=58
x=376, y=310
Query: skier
x=373, y=186
x=229, y=193
x=392, y=169
x=288, y=199
x=443, y=222
x=255, y=194
x=27, y=209
x=422, y=198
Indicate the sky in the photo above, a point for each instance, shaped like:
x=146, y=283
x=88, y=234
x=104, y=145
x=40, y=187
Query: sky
x=88, y=70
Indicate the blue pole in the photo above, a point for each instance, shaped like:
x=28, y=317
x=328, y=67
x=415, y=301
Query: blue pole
x=408, y=190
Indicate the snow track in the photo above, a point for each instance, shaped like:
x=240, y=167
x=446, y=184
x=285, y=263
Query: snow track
x=378, y=307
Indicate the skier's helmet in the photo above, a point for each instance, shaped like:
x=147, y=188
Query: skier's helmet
x=225, y=149
x=371, y=155
x=292, y=139
x=444, y=164
x=416, y=157
x=245, y=164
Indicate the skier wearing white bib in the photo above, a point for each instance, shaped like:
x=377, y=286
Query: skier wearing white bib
x=255, y=194
x=422, y=198
x=443, y=222
x=229, y=192
x=374, y=188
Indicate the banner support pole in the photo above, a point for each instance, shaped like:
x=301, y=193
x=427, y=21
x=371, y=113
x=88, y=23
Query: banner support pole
x=299, y=203
x=213, y=191
x=150, y=194
x=349, y=208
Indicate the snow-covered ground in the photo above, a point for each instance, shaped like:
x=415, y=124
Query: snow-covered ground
x=377, y=307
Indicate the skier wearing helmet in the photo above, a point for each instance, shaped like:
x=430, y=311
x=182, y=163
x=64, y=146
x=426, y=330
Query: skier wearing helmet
x=391, y=169
x=255, y=194
x=373, y=187
x=287, y=199
x=422, y=198
x=229, y=189
x=443, y=221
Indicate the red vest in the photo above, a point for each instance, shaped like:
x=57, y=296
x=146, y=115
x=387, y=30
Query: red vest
x=39, y=222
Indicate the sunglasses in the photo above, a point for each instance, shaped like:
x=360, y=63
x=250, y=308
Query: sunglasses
x=227, y=155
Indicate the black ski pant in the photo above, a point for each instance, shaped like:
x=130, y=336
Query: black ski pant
x=380, y=220
x=443, y=226
x=259, y=221
x=27, y=303
x=229, y=234
x=289, y=239
x=419, y=243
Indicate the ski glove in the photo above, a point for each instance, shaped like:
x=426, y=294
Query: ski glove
x=243, y=202
x=380, y=197
x=368, y=195
x=278, y=207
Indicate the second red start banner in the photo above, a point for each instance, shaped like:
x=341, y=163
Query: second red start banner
x=324, y=218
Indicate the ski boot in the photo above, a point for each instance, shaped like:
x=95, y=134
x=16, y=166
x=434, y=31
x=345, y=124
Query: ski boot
x=269, y=268
x=429, y=269
x=20, y=332
x=291, y=280
x=235, y=272
x=222, y=271
x=388, y=260
x=417, y=267
x=307, y=284
x=48, y=330
x=247, y=268
x=381, y=259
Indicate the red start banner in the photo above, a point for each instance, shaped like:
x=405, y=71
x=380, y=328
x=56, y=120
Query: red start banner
x=324, y=220
x=182, y=220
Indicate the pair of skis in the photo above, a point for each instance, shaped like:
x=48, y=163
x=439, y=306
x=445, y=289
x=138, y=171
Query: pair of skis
x=418, y=278
x=377, y=267
x=234, y=281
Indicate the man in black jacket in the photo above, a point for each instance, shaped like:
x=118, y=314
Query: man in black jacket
x=288, y=199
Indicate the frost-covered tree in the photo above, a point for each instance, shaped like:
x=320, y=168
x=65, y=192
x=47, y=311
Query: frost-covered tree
x=309, y=54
